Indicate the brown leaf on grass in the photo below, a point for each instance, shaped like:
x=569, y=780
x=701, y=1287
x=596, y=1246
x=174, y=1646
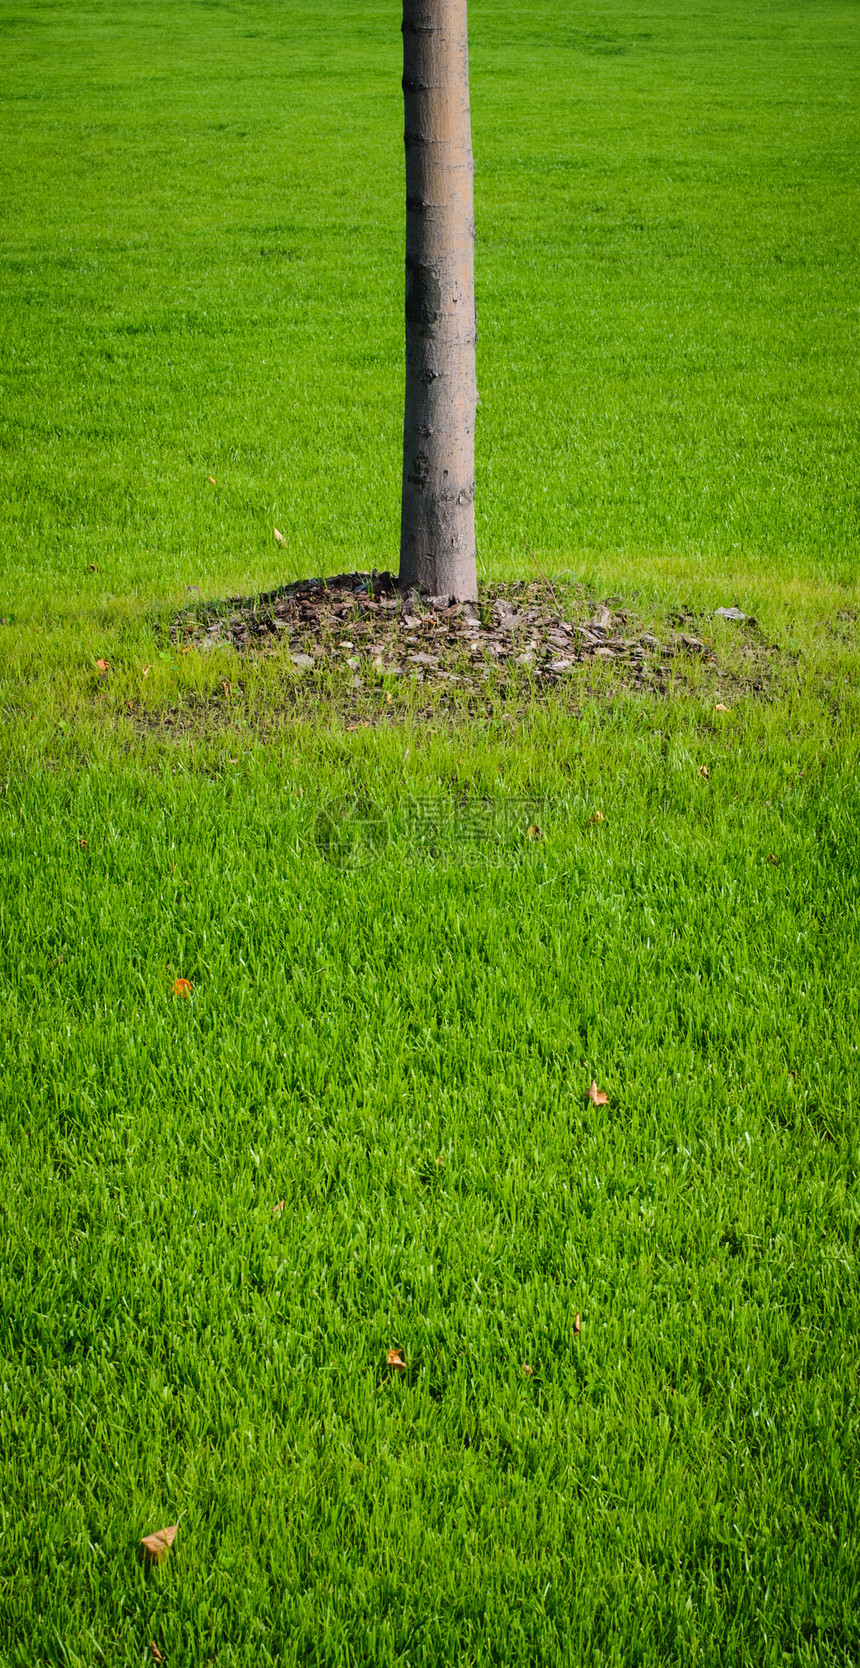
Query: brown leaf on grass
x=577, y=1327
x=529, y=1371
x=93, y=568
x=213, y=480
x=182, y=987
x=155, y=1652
x=156, y=1546
x=146, y=671
x=772, y=858
x=396, y=1361
x=102, y=666
x=598, y=1097
x=279, y=537
x=226, y=686
x=82, y=842
x=533, y=832
x=598, y=817
x=721, y=707
x=702, y=771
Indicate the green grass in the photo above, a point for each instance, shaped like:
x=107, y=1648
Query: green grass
x=201, y=275
x=401, y=1053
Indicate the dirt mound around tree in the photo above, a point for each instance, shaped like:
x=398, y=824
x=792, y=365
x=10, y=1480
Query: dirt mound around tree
x=363, y=623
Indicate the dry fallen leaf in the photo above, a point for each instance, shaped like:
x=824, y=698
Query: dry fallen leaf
x=155, y=1652
x=156, y=1546
x=279, y=537
x=577, y=1328
x=772, y=858
x=388, y=696
x=186, y=649
x=227, y=687
x=529, y=1371
x=598, y=817
x=212, y=479
x=103, y=666
x=396, y=1361
x=182, y=987
x=598, y=1097
x=533, y=832
x=702, y=771
x=146, y=671
x=721, y=707
x=82, y=842
x=93, y=568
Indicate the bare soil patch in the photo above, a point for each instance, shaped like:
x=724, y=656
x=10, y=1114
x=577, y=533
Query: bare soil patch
x=355, y=629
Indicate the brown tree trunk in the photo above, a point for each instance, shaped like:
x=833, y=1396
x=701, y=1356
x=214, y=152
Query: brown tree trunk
x=437, y=530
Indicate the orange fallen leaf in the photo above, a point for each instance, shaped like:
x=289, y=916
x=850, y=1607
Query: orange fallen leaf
x=279, y=537
x=103, y=666
x=598, y=817
x=772, y=858
x=82, y=842
x=598, y=1097
x=702, y=771
x=577, y=1328
x=155, y=1546
x=529, y=1371
x=396, y=1361
x=155, y=1652
x=213, y=480
x=182, y=987
x=533, y=832
x=185, y=649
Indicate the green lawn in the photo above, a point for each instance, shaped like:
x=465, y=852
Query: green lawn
x=367, y=1125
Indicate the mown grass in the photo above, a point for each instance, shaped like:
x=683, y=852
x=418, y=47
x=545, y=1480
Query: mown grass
x=367, y=1125
x=202, y=276
x=401, y=1055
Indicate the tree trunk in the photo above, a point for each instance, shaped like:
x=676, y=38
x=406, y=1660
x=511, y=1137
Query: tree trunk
x=437, y=530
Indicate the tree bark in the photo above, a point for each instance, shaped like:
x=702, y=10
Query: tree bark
x=437, y=530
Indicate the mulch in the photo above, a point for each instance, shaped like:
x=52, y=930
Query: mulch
x=365, y=625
